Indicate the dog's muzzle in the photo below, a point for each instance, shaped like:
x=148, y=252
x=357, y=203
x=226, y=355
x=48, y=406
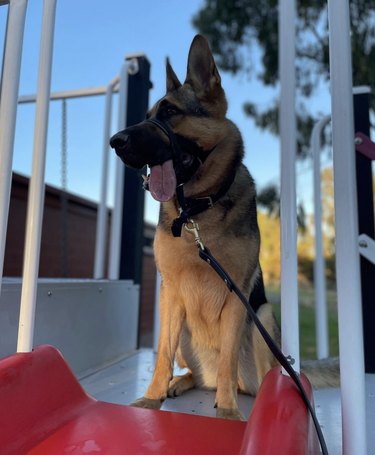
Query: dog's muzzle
x=173, y=159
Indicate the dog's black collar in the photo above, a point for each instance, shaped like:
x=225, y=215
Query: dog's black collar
x=189, y=207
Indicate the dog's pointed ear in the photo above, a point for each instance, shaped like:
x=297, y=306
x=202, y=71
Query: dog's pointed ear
x=202, y=73
x=172, y=80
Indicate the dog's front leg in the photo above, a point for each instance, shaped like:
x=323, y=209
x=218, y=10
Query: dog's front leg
x=171, y=319
x=231, y=328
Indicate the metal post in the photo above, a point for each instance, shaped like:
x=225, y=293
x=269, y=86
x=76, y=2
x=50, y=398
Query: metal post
x=36, y=189
x=8, y=109
x=69, y=94
x=347, y=260
x=321, y=319
x=287, y=121
x=114, y=248
x=101, y=224
x=132, y=233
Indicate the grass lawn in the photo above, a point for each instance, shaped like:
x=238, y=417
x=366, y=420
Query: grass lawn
x=307, y=320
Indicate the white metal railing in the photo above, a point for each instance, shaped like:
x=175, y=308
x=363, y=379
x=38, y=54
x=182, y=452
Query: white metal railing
x=346, y=224
x=67, y=94
x=116, y=223
x=321, y=316
x=117, y=85
x=101, y=227
x=36, y=193
x=347, y=260
x=288, y=209
x=8, y=110
x=101, y=223
x=36, y=189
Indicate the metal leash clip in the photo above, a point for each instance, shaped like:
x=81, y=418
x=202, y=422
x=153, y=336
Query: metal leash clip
x=193, y=227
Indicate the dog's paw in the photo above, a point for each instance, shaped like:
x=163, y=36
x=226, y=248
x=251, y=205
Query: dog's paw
x=148, y=403
x=180, y=384
x=230, y=414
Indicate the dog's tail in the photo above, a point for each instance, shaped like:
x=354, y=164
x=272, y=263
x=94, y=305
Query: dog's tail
x=323, y=373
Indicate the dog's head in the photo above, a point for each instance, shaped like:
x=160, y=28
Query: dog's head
x=181, y=129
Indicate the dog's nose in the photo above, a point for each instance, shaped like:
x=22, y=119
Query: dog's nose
x=118, y=141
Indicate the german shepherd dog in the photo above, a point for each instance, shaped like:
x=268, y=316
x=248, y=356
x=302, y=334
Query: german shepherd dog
x=202, y=324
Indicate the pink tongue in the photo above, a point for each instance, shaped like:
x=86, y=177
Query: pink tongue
x=162, y=181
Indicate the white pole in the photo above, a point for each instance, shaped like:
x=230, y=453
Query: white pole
x=322, y=345
x=36, y=190
x=69, y=94
x=288, y=217
x=116, y=222
x=346, y=221
x=101, y=225
x=8, y=109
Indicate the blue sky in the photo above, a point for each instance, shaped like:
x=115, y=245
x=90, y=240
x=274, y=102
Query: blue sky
x=91, y=39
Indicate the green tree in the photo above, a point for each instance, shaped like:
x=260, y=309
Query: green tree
x=269, y=199
x=234, y=27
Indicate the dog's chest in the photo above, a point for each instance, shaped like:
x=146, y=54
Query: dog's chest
x=189, y=279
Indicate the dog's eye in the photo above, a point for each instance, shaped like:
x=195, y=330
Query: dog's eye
x=167, y=110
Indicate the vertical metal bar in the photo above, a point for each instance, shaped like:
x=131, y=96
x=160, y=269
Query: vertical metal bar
x=64, y=225
x=36, y=189
x=116, y=222
x=346, y=219
x=8, y=109
x=101, y=224
x=288, y=228
x=132, y=234
x=321, y=317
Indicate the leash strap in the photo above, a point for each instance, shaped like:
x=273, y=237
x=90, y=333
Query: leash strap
x=285, y=362
x=190, y=207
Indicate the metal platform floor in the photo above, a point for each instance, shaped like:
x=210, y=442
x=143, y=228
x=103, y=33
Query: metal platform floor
x=128, y=379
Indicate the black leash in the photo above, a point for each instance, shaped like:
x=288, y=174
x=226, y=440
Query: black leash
x=206, y=255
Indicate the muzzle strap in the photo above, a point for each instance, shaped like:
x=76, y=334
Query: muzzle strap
x=177, y=152
x=162, y=126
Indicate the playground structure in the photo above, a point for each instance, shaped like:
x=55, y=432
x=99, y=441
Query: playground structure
x=83, y=410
